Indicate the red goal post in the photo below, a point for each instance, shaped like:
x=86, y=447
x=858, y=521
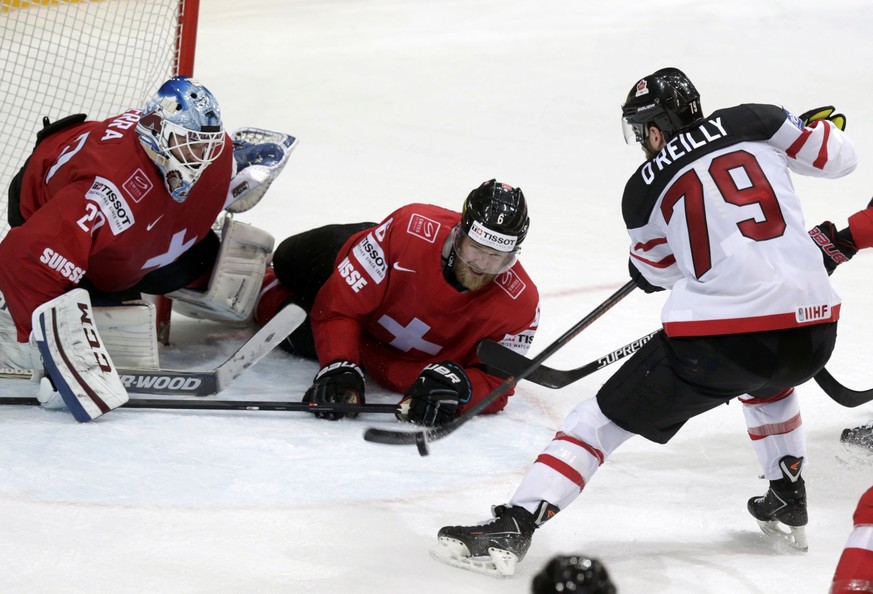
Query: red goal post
x=98, y=57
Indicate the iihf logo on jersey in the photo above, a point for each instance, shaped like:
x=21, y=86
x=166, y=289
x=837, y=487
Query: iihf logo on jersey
x=813, y=313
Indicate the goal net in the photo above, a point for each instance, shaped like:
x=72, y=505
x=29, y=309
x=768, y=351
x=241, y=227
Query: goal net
x=98, y=57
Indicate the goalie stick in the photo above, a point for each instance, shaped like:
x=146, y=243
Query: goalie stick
x=508, y=361
x=206, y=404
x=421, y=437
x=171, y=382
x=840, y=393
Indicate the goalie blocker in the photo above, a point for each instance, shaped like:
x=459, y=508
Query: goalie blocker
x=75, y=358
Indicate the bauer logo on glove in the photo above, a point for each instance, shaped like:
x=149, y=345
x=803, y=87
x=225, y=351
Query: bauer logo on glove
x=434, y=397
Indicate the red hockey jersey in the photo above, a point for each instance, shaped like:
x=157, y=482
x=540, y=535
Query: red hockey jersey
x=854, y=572
x=94, y=203
x=388, y=307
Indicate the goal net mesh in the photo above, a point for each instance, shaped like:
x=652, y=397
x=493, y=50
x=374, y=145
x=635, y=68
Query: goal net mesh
x=59, y=57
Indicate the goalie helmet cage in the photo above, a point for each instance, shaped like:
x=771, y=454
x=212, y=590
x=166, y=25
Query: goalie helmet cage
x=98, y=57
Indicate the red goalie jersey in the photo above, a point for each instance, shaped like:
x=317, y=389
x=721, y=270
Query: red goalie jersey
x=388, y=305
x=95, y=204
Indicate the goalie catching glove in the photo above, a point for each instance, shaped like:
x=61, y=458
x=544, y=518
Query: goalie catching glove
x=434, y=398
x=809, y=118
x=259, y=157
x=340, y=381
x=836, y=247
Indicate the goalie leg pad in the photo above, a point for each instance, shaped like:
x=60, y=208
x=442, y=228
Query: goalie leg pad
x=16, y=358
x=236, y=278
x=75, y=358
x=129, y=333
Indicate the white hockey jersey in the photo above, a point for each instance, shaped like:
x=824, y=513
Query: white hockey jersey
x=714, y=217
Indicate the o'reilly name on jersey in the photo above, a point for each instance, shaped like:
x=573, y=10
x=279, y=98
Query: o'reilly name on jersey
x=682, y=144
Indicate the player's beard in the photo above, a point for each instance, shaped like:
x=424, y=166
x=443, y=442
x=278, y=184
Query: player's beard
x=472, y=281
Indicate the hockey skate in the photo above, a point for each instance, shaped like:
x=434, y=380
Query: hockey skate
x=781, y=512
x=493, y=547
x=860, y=436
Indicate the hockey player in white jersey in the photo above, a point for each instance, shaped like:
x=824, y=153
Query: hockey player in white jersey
x=712, y=215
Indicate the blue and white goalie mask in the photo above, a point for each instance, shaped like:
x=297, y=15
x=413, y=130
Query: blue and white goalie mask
x=181, y=130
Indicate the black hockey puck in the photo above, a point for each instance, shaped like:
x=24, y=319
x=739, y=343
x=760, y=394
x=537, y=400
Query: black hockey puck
x=421, y=444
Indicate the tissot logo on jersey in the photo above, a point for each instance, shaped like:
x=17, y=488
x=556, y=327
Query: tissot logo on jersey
x=682, y=144
x=113, y=206
x=67, y=269
x=369, y=253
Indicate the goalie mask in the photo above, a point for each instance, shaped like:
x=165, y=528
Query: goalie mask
x=493, y=225
x=181, y=131
x=666, y=99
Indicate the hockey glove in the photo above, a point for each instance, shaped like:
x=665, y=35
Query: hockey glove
x=341, y=381
x=809, y=118
x=836, y=246
x=640, y=281
x=436, y=394
x=259, y=157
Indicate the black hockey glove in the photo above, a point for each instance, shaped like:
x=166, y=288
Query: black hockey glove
x=341, y=381
x=640, y=281
x=434, y=397
x=836, y=246
x=823, y=113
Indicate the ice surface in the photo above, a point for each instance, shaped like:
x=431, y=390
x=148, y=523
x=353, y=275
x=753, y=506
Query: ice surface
x=420, y=100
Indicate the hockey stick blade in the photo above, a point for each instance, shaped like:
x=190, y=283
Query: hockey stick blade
x=173, y=382
x=422, y=437
x=508, y=361
x=206, y=404
x=840, y=393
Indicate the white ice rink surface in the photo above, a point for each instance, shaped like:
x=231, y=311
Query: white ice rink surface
x=398, y=101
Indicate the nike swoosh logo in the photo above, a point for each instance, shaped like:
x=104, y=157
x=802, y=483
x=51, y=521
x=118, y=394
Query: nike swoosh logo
x=153, y=223
x=401, y=268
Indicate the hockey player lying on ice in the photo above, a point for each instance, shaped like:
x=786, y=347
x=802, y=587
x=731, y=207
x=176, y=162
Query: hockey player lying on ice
x=111, y=209
x=408, y=299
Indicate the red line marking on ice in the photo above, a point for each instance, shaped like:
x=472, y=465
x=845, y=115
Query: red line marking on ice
x=578, y=291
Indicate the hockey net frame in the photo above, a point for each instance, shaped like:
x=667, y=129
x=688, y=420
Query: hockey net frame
x=98, y=57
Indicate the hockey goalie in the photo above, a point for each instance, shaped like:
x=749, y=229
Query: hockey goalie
x=102, y=212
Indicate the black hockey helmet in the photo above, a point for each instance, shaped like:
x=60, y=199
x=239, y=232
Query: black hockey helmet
x=665, y=98
x=495, y=220
x=573, y=573
x=497, y=207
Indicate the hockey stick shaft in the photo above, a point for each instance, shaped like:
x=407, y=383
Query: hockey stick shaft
x=508, y=361
x=840, y=393
x=206, y=404
x=172, y=382
x=422, y=437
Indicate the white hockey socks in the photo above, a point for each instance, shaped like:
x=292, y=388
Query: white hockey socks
x=236, y=277
x=74, y=356
x=586, y=438
x=776, y=429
